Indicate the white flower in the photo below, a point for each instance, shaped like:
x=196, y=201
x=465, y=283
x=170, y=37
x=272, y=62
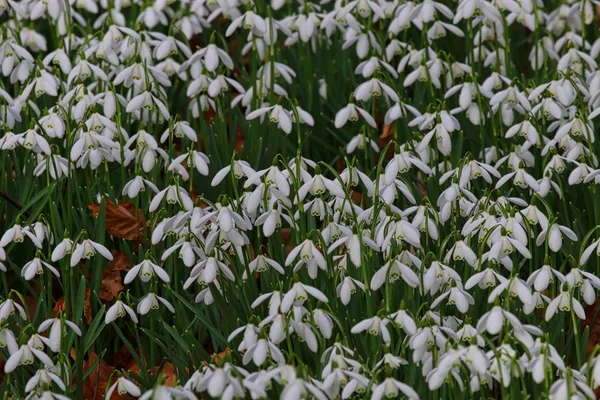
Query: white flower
x=44, y=378
x=25, y=355
x=17, y=234
x=56, y=332
x=174, y=194
x=86, y=250
x=35, y=267
x=123, y=386
x=259, y=351
x=390, y=388
x=595, y=245
x=239, y=169
x=553, y=234
x=146, y=270
x=456, y=297
x=347, y=288
x=9, y=307
x=298, y=294
x=151, y=302
x=137, y=185
x=277, y=115
x=374, y=326
x=261, y=264
x=309, y=255
x=65, y=247
x=146, y=101
x=118, y=310
x=248, y=20
x=563, y=302
x=351, y=113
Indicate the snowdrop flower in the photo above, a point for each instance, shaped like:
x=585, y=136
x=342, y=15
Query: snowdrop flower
x=209, y=269
x=543, y=277
x=553, y=234
x=521, y=179
x=119, y=310
x=146, y=101
x=250, y=21
x=298, y=389
x=595, y=245
x=360, y=141
x=318, y=185
x=259, y=352
x=137, y=185
x=309, y=255
x=298, y=294
x=353, y=245
x=167, y=393
x=572, y=385
x=324, y=322
x=146, y=270
x=174, y=194
x=25, y=355
x=35, y=267
x=403, y=320
x=391, y=387
x=261, y=264
x=58, y=58
x=56, y=331
x=17, y=234
x=44, y=378
x=152, y=302
x=392, y=271
x=456, y=297
x=515, y=287
x=351, y=113
x=461, y=251
x=374, y=326
x=493, y=321
x=86, y=250
x=400, y=163
x=123, y=386
x=347, y=288
x=64, y=248
x=239, y=169
x=277, y=114
x=9, y=307
x=84, y=70
x=506, y=245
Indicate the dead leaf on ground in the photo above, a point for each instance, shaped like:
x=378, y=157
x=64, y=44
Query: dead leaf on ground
x=87, y=307
x=120, y=219
x=285, y=234
x=120, y=261
x=110, y=285
x=387, y=135
x=95, y=385
x=593, y=321
x=168, y=372
x=218, y=358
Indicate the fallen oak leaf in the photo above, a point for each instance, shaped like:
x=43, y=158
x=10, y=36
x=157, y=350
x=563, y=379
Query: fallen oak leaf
x=120, y=261
x=168, y=372
x=95, y=385
x=87, y=307
x=110, y=285
x=120, y=221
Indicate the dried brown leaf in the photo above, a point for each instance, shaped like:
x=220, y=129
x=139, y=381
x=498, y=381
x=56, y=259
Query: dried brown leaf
x=120, y=261
x=110, y=285
x=120, y=220
x=95, y=385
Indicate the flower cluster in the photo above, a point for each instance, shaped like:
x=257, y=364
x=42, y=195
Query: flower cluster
x=299, y=200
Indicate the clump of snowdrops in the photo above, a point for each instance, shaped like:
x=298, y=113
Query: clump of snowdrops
x=339, y=199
